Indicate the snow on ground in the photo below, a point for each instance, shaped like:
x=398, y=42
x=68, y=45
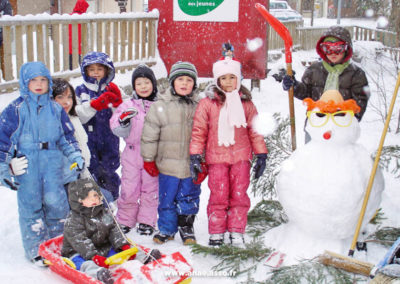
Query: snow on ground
x=271, y=98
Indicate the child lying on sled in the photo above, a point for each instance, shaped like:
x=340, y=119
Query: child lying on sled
x=91, y=233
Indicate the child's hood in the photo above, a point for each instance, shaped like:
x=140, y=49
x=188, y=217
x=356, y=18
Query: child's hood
x=340, y=33
x=29, y=71
x=79, y=190
x=100, y=58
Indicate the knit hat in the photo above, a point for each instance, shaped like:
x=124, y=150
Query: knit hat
x=227, y=66
x=144, y=71
x=79, y=190
x=339, y=33
x=181, y=68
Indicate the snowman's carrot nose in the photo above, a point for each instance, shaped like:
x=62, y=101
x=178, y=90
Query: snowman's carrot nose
x=327, y=135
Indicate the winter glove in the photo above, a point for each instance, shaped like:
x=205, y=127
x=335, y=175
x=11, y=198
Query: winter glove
x=100, y=103
x=201, y=175
x=126, y=247
x=5, y=177
x=125, y=118
x=289, y=81
x=195, y=166
x=18, y=166
x=260, y=165
x=114, y=94
x=100, y=260
x=154, y=254
x=80, y=164
x=151, y=168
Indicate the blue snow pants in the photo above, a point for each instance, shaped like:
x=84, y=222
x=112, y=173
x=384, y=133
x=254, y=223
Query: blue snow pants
x=42, y=200
x=104, y=161
x=176, y=197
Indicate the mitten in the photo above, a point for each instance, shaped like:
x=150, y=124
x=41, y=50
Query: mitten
x=126, y=247
x=151, y=168
x=100, y=103
x=80, y=163
x=201, y=175
x=195, y=166
x=154, y=254
x=288, y=82
x=114, y=94
x=260, y=165
x=125, y=118
x=18, y=166
x=100, y=260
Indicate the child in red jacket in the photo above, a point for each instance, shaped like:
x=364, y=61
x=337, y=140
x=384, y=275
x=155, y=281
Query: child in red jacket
x=222, y=129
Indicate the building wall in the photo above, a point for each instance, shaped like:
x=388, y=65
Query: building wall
x=26, y=7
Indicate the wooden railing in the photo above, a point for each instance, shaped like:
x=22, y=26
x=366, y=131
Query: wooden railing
x=305, y=38
x=129, y=39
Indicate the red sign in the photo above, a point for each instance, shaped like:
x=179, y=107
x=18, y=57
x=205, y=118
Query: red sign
x=200, y=42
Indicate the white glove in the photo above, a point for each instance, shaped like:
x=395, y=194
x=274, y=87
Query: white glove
x=18, y=166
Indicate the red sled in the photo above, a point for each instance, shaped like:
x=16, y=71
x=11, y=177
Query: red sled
x=171, y=268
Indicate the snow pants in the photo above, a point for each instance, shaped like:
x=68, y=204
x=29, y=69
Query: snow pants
x=104, y=161
x=176, y=197
x=139, y=196
x=228, y=203
x=42, y=200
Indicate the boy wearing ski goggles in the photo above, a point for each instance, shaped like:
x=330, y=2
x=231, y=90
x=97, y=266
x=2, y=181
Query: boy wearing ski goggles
x=333, y=47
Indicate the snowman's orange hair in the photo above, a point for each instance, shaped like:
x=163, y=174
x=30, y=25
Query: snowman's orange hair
x=331, y=106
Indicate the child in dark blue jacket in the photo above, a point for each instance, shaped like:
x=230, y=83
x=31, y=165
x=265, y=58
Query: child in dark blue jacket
x=96, y=97
x=35, y=132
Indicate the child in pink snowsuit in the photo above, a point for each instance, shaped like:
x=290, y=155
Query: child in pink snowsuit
x=223, y=131
x=139, y=191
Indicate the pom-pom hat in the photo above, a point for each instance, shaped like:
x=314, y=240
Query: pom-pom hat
x=227, y=66
x=182, y=68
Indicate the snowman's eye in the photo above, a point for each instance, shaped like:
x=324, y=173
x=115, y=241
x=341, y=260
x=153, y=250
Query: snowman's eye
x=339, y=114
x=320, y=114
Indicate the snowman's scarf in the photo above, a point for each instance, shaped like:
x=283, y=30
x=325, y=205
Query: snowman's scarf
x=231, y=115
x=332, y=81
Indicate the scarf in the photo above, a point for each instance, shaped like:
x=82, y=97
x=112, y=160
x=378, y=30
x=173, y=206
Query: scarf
x=332, y=81
x=231, y=115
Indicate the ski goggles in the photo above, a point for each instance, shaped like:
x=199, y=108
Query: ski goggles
x=341, y=118
x=333, y=47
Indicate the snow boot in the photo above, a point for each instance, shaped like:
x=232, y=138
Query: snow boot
x=186, y=230
x=39, y=261
x=161, y=238
x=237, y=239
x=216, y=240
x=125, y=229
x=144, y=229
x=104, y=275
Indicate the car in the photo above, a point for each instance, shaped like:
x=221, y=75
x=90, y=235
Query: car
x=283, y=12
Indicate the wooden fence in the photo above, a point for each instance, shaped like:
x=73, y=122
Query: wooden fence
x=129, y=39
x=305, y=38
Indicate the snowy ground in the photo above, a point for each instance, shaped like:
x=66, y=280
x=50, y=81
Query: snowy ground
x=269, y=99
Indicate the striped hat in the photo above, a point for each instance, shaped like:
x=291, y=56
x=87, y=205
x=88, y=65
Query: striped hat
x=181, y=68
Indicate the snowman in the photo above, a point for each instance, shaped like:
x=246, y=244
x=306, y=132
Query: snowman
x=322, y=185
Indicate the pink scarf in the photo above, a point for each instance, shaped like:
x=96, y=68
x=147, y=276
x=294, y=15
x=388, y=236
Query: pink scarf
x=231, y=115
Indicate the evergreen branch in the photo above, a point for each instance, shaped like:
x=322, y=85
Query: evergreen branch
x=386, y=235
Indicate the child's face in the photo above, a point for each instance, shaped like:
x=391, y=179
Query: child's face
x=229, y=53
x=143, y=87
x=39, y=85
x=336, y=58
x=65, y=100
x=97, y=71
x=93, y=199
x=228, y=82
x=183, y=85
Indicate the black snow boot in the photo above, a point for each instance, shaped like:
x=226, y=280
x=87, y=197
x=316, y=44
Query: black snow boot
x=161, y=238
x=144, y=229
x=186, y=230
x=104, y=275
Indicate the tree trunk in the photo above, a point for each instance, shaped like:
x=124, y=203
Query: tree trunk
x=394, y=20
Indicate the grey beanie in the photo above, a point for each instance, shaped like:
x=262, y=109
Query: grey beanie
x=181, y=68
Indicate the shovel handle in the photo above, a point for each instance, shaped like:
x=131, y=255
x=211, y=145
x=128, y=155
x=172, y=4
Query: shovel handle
x=374, y=168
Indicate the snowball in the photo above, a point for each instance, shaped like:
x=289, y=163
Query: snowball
x=254, y=44
x=382, y=22
x=369, y=13
x=264, y=124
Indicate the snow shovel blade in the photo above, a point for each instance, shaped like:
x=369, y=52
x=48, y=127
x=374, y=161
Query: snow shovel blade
x=171, y=268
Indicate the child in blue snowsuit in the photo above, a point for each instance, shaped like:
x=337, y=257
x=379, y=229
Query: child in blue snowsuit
x=35, y=127
x=94, y=98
